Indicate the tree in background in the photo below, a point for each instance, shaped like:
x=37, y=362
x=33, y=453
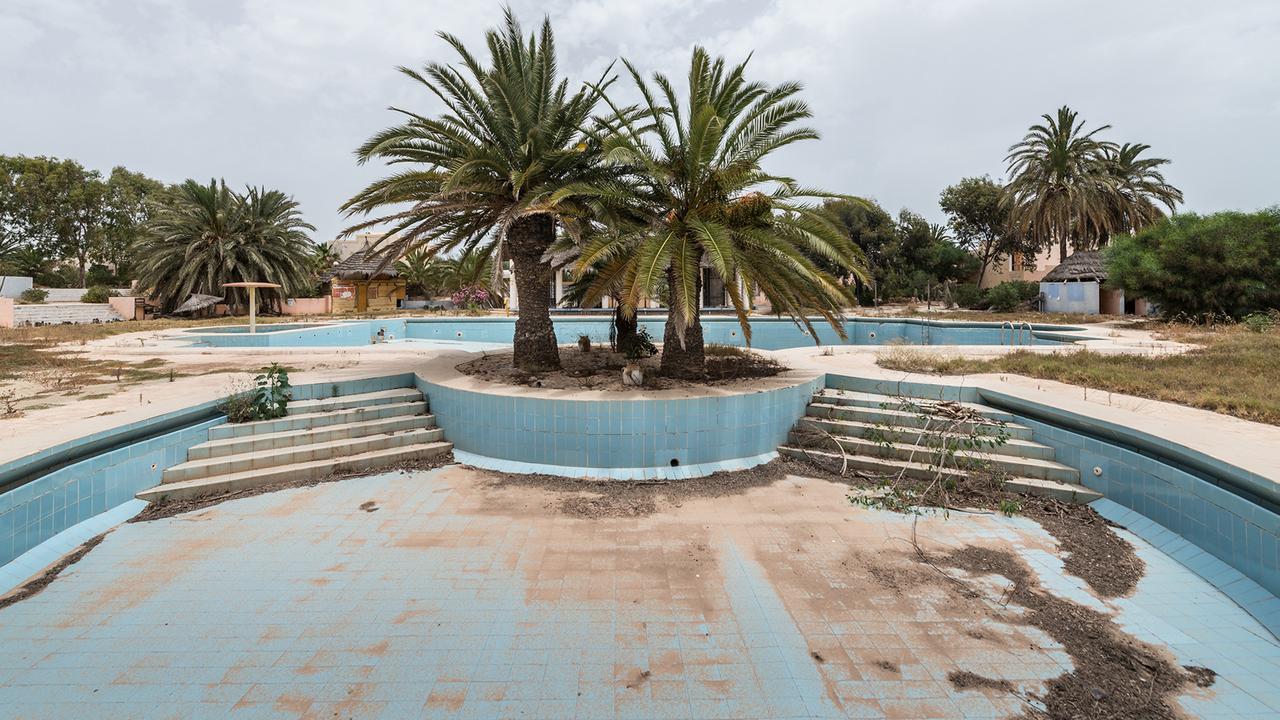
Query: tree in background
x=490, y=169
x=872, y=230
x=1074, y=188
x=980, y=220
x=433, y=275
x=130, y=198
x=71, y=215
x=924, y=258
x=209, y=235
x=1202, y=266
x=695, y=192
x=1059, y=189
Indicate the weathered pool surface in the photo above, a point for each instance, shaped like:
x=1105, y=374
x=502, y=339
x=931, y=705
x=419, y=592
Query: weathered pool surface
x=455, y=598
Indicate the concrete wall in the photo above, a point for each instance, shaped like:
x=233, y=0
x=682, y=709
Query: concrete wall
x=1071, y=297
x=306, y=306
x=127, y=307
x=6, y=312
x=13, y=285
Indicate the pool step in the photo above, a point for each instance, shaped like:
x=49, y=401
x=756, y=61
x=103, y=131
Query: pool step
x=1066, y=492
x=345, y=402
x=312, y=470
x=340, y=434
x=923, y=439
x=915, y=436
x=894, y=416
x=323, y=434
x=306, y=421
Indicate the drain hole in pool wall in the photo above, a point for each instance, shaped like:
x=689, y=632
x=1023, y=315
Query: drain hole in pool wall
x=872, y=334
x=675, y=462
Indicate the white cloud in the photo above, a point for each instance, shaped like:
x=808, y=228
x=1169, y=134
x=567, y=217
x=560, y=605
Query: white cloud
x=909, y=96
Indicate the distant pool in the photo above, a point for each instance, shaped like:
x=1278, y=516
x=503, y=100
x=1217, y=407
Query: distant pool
x=262, y=328
x=767, y=333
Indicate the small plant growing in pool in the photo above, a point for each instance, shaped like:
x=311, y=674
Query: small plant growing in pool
x=637, y=346
x=584, y=343
x=267, y=399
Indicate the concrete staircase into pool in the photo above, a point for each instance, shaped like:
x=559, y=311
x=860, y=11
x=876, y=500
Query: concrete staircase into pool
x=887, y=436
x=342, y=434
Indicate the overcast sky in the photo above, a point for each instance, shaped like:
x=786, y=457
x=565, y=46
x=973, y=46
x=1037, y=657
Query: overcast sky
x=909, y=96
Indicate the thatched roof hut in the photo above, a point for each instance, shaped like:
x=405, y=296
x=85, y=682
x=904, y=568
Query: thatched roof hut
x=1081, y=266
x=361, y=265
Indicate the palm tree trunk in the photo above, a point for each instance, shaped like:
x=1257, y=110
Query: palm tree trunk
x=624, y=328
x=688, y=361
x=535, y=346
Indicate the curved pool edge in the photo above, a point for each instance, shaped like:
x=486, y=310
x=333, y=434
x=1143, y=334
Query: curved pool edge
x=676, y=433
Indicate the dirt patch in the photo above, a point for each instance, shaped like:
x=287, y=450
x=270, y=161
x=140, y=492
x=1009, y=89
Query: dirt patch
x=169, y=508
x=1095, y=553
x=369, y=506
x=888, y=666
x=1114, y=676
x=602, y=370
x=41, y=581
x=965, y=680
x=589, y=498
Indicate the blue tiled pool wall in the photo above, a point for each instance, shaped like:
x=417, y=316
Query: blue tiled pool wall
x=577, y=434
x=51, y=503
x=767, y=333
x=44, y=507
x=1243, y=534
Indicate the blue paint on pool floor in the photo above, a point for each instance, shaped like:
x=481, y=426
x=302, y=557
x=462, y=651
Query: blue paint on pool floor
x=452, y=593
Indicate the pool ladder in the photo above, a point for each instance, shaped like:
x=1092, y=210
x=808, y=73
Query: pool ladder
x=1015, y=333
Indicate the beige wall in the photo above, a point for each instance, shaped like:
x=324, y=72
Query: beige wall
x=127, y=307
x=1013, y=268
x=306, y=306
x=6, y=312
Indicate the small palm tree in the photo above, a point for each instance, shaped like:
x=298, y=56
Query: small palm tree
x=422, y=271
x=694, y=195
x=1059, y=188
x=209, y=235
x=323, y=257
x=487, y=171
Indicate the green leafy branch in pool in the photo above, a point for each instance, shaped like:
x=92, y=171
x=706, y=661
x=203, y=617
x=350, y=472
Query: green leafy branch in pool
x=948, y=444
x=945, y=443
x=268, y=398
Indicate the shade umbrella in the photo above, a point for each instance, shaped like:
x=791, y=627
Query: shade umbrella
x=253, y=299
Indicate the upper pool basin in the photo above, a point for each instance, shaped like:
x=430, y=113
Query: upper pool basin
x=766, y=333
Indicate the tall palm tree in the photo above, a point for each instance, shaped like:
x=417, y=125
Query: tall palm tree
x=209, y=235
x=487, y=171
x=695, y=194
x=1140, y=192
x=1059, y=188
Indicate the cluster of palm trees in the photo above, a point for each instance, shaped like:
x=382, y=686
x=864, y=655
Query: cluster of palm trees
x=203, y=236
x=1069, y=186
x=646, y=194
x=431, y=274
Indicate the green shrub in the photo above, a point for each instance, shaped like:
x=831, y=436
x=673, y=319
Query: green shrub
x=266, y=400
x=639, y=345
x=97, y=294
x=33, y=296
x=1202, y=266
x=967, y=296
x=1260, y=322
x=1012, y=295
